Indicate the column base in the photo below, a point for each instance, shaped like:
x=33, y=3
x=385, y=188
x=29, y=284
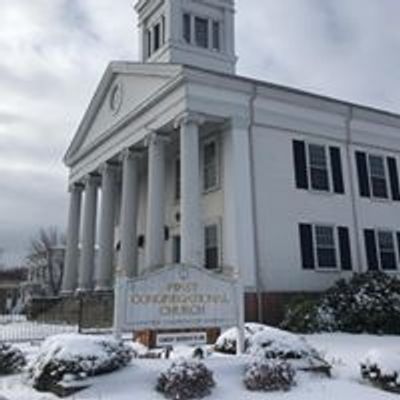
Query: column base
x=103, y=289
x=83, y=291
x=67, y=293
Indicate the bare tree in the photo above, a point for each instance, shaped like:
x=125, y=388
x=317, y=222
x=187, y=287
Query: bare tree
x=1, y=257
x=46, y=258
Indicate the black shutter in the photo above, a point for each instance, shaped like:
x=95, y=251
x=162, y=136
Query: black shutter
x=300, y=166
x=344, y=247
x=371, y=250
x=398, y=244
x=337, y=173
x=394, y=178
x=361, y=160
x=306, y=243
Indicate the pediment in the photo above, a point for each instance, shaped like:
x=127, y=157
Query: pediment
x=122, y=90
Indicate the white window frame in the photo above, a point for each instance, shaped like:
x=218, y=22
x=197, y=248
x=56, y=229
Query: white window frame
x=150, y=30
x=328, y=168
x=336, y=246
x=395, y=248
x=208, y=22
x=204, y=143
x=210, y=33
x=386, y=173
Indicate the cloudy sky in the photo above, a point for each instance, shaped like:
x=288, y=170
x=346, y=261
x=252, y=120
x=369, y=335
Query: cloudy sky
x=53, y=53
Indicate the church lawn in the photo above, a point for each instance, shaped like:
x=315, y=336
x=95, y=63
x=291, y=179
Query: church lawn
x=138, y=380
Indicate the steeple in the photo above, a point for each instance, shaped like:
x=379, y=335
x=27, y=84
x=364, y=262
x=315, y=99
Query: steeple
x=192, y=32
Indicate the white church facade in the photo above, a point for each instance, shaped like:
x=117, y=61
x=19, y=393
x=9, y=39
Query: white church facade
x=178, y=159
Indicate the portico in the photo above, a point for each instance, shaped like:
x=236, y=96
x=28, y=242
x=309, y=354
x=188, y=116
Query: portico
x=83, y=272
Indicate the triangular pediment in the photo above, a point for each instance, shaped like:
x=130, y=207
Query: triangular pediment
x=122, y=90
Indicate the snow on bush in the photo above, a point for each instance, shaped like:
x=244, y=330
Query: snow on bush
x=368, y=302
x=186, y=380
x=269, y=375
x=382, y=369
x=11, y=359
x=68, y=358
x=226, y=342
x=265, y=342
x=275, y=344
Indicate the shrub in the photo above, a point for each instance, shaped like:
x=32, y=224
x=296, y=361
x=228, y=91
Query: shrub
x=368, y=302
x=275, y=344
x=186, y=380
x=12, y=360
x=68, y=358
x=304, y=316
x=269, y=375
x=226, y=342
x=382, y=371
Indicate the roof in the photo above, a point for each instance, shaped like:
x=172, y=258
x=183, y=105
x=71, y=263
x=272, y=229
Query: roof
x=169, y=71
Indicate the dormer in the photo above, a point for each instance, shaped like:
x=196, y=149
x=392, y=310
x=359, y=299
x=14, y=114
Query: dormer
x=190, y=32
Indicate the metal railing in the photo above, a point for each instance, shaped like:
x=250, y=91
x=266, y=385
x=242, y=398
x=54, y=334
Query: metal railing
x=17, y=329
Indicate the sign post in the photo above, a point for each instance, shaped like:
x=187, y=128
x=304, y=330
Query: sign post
x=240, y=317
x=118, y=304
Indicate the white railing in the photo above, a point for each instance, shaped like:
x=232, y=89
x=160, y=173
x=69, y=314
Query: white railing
x=16, y=328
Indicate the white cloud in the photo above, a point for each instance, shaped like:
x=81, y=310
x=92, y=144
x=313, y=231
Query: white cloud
x=53, y=53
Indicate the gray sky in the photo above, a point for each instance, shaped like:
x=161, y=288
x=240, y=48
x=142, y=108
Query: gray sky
x=53, y=53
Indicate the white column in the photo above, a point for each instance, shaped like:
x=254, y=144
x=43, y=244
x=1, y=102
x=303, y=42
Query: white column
x=192, y=246
x=104, y=272
x=154, y=240
x=70, y=278
x=239, y=222
x=87, y=258
x=129, y=208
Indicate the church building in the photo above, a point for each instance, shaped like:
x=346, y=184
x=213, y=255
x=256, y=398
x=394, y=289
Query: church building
x=180, y=160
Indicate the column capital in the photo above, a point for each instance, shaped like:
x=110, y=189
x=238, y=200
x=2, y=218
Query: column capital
x=154, y=138
x=92, y=180
x=130, y=153
x=189, y=117
x=108, y=167
x=239, y=122
x=76, y=187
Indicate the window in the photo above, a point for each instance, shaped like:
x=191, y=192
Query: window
x=211, y=246
x=187, y=28
x=387, y=252
x=325, y=246
x=210, y=165
x=318, y=167
x=176, y=249
x=201, y=32
x=177, y=179
x=381, y=249
x=157, y=37
x=319, y=176
x=377, y=176
x=216, y=35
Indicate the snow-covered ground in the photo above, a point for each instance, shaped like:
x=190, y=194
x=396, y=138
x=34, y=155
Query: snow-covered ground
x=138, y=380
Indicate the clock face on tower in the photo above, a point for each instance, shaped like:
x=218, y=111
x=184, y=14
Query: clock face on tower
x=116, y=97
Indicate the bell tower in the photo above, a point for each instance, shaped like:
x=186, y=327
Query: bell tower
x=192, y=32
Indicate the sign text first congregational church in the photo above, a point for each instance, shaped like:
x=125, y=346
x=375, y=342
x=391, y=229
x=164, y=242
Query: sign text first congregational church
x=177, y=297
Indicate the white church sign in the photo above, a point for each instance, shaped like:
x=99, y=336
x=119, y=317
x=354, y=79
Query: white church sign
x=177, y=297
